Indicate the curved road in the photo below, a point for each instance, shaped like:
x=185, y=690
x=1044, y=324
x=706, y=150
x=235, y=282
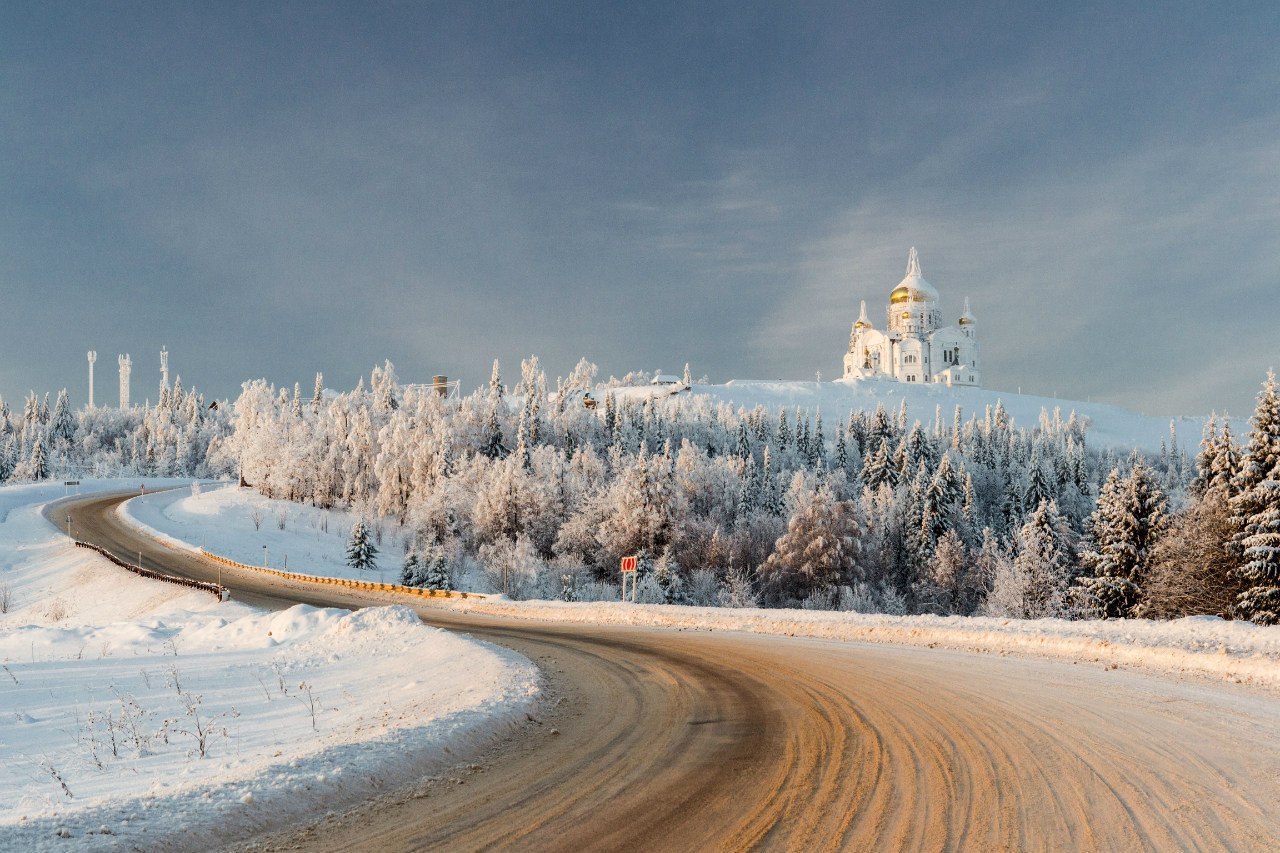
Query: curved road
x=671, y=740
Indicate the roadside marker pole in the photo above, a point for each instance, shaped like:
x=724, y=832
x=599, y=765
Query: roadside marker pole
x=629, y=568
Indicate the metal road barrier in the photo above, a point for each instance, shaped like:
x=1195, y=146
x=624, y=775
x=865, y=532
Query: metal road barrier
x=420, y=592
x=219, y=591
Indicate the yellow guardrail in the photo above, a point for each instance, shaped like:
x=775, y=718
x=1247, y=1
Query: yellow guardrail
x=347, y=583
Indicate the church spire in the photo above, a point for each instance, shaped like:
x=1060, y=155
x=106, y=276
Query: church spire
x=913, y=263
x=863, y=322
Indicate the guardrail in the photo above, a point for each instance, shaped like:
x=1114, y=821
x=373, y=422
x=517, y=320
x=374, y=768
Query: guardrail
x=420, y=592
x=219, y=591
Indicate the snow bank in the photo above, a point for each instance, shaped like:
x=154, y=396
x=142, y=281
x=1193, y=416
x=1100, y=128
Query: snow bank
x=1202, y=645
x=136, y=714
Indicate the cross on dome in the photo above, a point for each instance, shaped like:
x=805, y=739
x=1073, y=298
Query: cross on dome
x=913, y=263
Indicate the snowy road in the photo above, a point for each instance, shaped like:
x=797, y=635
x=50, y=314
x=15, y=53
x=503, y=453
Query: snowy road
x=689, y=740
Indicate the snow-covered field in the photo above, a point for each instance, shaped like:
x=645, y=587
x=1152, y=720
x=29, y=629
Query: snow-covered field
x=138, y=715
x=1203, y=645
x=1112, y=426
x=237, y=522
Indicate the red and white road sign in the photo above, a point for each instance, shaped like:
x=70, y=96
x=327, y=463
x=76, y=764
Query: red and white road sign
x=628, y=564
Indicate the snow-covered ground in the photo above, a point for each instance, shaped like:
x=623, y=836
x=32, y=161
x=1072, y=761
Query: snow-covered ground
x=1112, y=426
x=237, y=522
x=1203, y=645
x=136, y=714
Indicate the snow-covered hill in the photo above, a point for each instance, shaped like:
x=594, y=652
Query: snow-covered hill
x=1111, y=426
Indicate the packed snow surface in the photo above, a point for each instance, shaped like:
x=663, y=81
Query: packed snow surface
x=1201, y=645
x=1111, y=426
x=136, y=714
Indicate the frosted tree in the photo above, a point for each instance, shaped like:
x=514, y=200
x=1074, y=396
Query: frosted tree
x=819, y=552
x=410, y=571
x=361, y=552
x=1044, y=564
x=62, y=430
x=945, y=574
x=666, y=573
x=1256, y=513
x=737, y=590
x=435, y=570
x=495, y=381
x=1123, y=530
x=879, y=470
x=38, y=465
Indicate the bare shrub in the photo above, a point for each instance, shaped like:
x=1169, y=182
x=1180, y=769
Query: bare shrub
x=6, y=597
x=1191, y=569
x=256, y=515
x=57, y=610
x=282, y=517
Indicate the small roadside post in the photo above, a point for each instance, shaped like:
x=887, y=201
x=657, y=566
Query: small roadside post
x=69, y=528
x=629, y=569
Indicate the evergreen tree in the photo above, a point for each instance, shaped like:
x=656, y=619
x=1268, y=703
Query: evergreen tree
x=1226, y=463
x=63, y=429
x=940, y=499
x=38, y=464
x=949, y=587
x=1045, y=563
x=495, y=381
x=1039, y=482
x=410, y=571
x=667, y=574
x=435, y=571
x=744, y=442
x=1123, y=530
x=878, y=470
x=1256, y=513
x=361, y=552
x=317, y=396
x=493, y=447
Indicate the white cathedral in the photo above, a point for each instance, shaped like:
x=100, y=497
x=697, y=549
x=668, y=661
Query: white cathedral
x=915, y=347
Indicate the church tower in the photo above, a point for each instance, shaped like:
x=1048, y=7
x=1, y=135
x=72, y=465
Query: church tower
x=915, y=346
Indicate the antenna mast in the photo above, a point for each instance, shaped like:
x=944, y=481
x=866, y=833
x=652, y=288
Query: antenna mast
x=126, y=367
x=93, y=356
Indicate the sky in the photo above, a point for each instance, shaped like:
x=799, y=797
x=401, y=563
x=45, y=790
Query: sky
x=271, y=190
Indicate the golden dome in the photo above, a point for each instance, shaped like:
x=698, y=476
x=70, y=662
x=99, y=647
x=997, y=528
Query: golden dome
x=906, y=315
x=913, y=287
x=964, y=321
x=862, y=324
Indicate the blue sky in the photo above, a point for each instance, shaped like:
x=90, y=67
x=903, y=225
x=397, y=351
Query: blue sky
x=276, y=191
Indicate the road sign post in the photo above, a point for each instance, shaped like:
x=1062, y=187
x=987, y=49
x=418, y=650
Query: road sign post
x=629, y=569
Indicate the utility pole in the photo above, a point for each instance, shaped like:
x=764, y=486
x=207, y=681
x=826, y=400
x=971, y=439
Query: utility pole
x=93, y=356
